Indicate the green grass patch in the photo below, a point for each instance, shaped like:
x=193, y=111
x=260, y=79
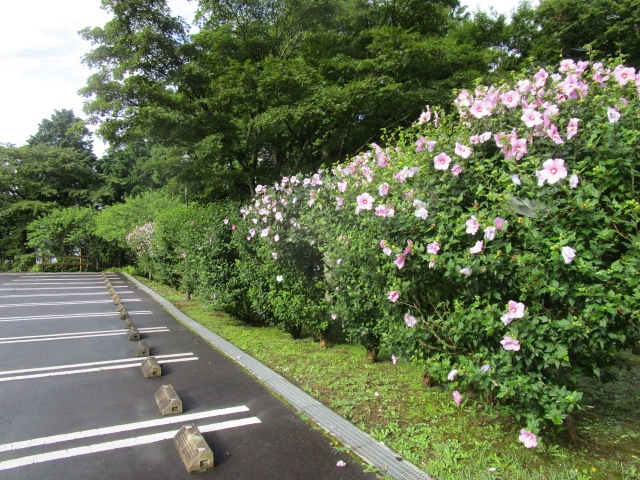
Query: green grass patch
x=423, y=424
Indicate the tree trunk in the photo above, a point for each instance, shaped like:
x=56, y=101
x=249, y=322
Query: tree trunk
x=571, y=427
x=372, y=355
x=294, y=330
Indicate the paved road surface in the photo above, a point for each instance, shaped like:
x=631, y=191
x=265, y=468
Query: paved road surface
x=74, y=403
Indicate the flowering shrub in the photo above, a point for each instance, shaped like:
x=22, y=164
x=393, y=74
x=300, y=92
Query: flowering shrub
x=282, y=264
x=497, y=245
x=140, y=240
x=191, y=247
x=500, y=241
x=214, y=256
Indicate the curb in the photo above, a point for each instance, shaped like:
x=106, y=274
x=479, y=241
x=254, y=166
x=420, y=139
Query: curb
x=359, y=442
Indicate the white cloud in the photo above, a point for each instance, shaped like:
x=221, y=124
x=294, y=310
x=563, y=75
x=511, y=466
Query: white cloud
x=40, y=60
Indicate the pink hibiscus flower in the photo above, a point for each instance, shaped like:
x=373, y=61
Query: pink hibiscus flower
x=462, y=150
x=552, y=171
x=528, y=439
x=509, y=343
x=514, y=310
x=572, y=127
x=442, y=161
x=477, y=248
x=531, y=118
x=624, y=74
x=410, y=321
x=472, y=225
x=511, y=99
x=400, y=260
x=365, y=202
x=433, y=248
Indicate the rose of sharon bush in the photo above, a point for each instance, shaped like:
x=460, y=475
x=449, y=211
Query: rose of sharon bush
x=540, y=215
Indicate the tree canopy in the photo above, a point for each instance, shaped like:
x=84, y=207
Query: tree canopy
x=269, y=88
x=64, y=130
x=56, y=169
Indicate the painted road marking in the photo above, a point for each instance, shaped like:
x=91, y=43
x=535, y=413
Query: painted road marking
x=17, y=282
x=74, y=335
x=98, y=432
x=60, y=294
x=29, y=373
x=77, y=302
x=102, y=287
x=72, y=315
x=89, y=370
x=48, y=317
x=117, y=444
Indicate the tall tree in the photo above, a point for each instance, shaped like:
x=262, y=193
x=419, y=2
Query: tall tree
x=36, y=179
x=583, y=29
x=67, y=231
x=64, y=130
x=270, y=87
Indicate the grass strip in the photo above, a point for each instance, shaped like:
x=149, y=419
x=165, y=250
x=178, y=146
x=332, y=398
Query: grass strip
x=425, y=426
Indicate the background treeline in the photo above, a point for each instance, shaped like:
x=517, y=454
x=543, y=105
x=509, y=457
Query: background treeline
x=263, y=89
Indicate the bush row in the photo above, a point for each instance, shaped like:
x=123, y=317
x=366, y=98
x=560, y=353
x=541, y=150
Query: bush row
x=497, y=244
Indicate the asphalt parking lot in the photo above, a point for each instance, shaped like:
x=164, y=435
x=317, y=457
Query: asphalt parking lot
x=74, y=403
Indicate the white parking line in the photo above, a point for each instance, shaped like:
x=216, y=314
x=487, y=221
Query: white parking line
x=72, y=315
x=61, y=294
x=91, y=364
x=96, y=369
x=129, y=442
x=77, y=302
x=102, y=287
x=64, y=274
x=47, y=317
x=97, y=432
x=18, y=282
x=77, y=335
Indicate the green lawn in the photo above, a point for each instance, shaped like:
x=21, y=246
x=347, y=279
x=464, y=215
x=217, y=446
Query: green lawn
x=425, y=426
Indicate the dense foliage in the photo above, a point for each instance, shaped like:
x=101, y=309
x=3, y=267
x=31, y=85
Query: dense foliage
x=266, y=89
x=497, y=246
x=55, y=170
x=494, y=239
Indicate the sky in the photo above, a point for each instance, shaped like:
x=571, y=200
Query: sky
x=40, y=58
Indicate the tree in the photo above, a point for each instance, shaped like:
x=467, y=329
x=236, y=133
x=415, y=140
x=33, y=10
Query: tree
x=64, y=130
x=35, y=180
x=581, y=29
x=270, y=88
x=115, y=222
x=68, y=231
x=137, y=55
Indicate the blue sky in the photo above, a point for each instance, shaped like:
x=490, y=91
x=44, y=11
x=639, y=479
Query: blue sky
x=40, y=53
